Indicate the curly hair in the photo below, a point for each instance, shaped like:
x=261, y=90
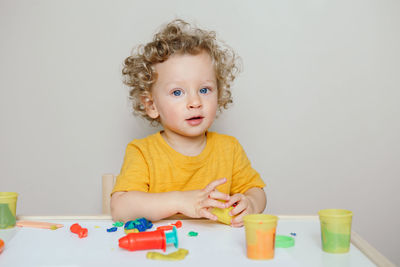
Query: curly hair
x=178, y=36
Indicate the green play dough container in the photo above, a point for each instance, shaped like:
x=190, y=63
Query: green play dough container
x=282, y=241
x=8, y=207
x=335, y=230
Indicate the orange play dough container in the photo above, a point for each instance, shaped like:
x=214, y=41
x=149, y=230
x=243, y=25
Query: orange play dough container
x=260, y=235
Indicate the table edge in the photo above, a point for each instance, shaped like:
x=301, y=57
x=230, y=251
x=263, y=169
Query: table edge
x=367, y=249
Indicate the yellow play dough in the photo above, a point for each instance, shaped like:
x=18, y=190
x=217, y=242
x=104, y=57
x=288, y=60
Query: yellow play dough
x=223, y=215
x=134, y=230
x=178, y=255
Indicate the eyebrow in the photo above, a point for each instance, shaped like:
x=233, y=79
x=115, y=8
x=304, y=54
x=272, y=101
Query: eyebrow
x=211, y=81
x=180, y=81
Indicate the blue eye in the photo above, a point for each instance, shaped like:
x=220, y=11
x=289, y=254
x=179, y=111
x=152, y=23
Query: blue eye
x=177, y=92
x=204, y=90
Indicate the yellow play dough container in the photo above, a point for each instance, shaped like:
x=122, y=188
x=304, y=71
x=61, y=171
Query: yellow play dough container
x=335, y=230
x=260, y=235
x=8, y=208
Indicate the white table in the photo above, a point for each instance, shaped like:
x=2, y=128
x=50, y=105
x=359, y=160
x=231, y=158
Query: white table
x=216, y=245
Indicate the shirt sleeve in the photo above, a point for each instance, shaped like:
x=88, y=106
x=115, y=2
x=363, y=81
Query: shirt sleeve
x=244, y=176
x=134, y=173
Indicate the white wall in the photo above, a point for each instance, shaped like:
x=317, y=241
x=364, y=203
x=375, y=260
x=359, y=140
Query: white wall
x=316, y=106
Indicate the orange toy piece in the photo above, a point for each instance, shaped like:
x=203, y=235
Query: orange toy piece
x=77, y=229
x=178, y=224
x=1, y=245
x=165, y=227
x=169, y=227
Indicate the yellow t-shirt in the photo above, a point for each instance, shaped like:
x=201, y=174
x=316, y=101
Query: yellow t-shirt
x=151, y=165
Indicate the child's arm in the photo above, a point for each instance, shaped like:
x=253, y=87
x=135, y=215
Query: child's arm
x=252, y=201
x=126, y=206
x=131, y=205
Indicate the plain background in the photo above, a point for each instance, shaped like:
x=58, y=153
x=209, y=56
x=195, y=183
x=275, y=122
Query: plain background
x=316, y=106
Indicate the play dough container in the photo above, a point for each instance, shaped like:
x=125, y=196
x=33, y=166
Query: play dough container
x=335, y=230
x=260, y=235
x=8, y=207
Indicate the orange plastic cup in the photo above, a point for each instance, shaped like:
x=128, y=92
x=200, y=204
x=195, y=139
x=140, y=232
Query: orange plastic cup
x=260, y=236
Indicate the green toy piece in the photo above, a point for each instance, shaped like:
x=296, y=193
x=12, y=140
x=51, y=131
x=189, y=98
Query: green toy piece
x=118, y=224
x=191, y=233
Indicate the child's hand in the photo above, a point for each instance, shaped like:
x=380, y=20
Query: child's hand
x=198, y=203
x=243, y=207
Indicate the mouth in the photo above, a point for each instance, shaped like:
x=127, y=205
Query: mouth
x=195, y=118
x=194, y=121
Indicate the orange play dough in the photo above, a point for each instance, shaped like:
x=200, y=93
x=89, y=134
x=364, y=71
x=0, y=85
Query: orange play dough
x=263, y=248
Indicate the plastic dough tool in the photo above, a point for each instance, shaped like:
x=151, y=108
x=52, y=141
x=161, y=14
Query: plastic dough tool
x=43, y=225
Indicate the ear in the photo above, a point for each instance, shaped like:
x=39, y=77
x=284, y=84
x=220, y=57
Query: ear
x=149, y=107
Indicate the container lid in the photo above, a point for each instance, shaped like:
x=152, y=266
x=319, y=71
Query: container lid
x=282, y=241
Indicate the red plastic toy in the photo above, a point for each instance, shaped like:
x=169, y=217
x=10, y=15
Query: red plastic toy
x=1, y=246
x=77, y=229
x=144, y=240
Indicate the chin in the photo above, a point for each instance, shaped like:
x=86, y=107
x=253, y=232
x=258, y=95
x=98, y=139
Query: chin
x=194, y=133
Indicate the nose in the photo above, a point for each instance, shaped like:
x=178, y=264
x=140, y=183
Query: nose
x=194, y=101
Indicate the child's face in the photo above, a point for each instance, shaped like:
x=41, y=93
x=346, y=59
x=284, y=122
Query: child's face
x=185, y=95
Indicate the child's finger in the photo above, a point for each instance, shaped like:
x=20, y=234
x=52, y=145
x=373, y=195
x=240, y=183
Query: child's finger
x=207, y=214
x=238, y=220
x=240, y=224
x=211, y=186
x=215, y=194
x=213, y=203
x=238, y=209
x=233, y=199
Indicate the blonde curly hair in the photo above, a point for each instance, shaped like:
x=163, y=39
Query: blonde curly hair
x=178, y=36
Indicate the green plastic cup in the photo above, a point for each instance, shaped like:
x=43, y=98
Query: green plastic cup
x=335, y=230
x=8, y=208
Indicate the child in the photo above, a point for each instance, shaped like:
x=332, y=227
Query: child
x=180, y=80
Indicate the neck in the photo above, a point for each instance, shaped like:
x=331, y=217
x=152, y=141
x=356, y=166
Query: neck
x=186, y=145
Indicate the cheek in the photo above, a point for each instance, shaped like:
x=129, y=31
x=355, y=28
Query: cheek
x=213, y=106
x=170, y=112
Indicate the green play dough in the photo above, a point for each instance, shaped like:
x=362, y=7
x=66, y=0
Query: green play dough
x=191, y=233
x=7, y=219
x=118, y=224
x=335, y=242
